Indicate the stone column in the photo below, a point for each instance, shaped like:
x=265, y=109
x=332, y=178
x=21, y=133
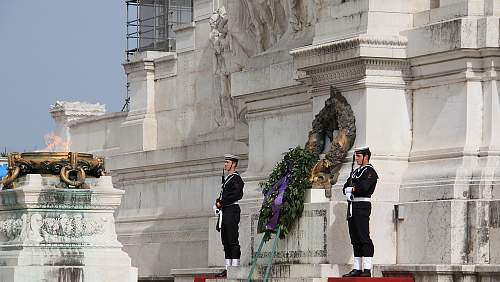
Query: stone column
x=139, y=131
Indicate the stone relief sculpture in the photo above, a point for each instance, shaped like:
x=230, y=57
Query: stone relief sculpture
x=276, y=24
x=221, y=44
x=337, y=122
x=50, y=229
x=250, y=27
x=11, y=228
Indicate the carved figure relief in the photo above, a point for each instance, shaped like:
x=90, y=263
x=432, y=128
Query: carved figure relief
x=221, y=44
x=337, y=122
x=275, y=24
x=50, y=228
x=69, y=227
x=11, y=228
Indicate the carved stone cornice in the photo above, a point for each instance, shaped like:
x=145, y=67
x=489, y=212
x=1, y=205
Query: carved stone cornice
x=335, y=51
x=349, y=43
x=393, y=71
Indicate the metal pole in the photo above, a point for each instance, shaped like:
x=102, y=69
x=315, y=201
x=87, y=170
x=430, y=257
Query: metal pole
x=254, y=260
x=126, y=51
x=273, y=253
x=138, y=26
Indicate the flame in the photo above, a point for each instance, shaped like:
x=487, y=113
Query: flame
x=55, y=142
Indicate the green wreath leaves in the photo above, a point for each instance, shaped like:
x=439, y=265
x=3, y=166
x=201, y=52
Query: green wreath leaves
x=301, y=162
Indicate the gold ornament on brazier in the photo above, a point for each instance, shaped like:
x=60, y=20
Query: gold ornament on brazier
x=71, y=167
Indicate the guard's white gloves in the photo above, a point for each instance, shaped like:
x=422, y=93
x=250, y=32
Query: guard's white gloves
x=348, y=190
x=216, y=210
x=349, y=195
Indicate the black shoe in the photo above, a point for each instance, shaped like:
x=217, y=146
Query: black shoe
x=223, y=274
x=353, y=273
x=366, y=273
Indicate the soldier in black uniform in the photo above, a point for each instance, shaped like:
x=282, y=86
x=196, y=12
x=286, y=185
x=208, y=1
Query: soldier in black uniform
x=358, y=190
x=226, y=206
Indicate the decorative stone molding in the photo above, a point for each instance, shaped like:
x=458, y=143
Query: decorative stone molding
x=331, y=52
x=65, y=113
x=345, y=44
x=75, y=110
x=356, y=70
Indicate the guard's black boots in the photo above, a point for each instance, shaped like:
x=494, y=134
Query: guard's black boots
x=353, y=273
x=223, y=274
x=365, y=273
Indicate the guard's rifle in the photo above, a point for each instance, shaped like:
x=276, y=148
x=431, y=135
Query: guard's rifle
x=352, y=170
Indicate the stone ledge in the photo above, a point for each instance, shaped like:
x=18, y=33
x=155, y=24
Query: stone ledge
x=290, y=271
x=372, y=279
x=441, y=269
x=188, y=272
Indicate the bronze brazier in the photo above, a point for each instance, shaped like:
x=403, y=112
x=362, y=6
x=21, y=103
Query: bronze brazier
x=71, y=167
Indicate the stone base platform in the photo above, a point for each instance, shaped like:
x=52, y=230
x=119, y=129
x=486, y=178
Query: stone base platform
x=290, y=271
x=371, y=279
x=279, y=272
x=67, y=274
x=195, y=274
x=444, y=272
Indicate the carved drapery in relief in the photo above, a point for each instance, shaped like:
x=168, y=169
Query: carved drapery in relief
x=275, y=24
x=243, y=29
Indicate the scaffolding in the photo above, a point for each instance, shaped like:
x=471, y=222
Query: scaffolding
x=151, y=23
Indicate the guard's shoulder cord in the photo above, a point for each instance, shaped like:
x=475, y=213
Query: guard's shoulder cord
x=360, y=170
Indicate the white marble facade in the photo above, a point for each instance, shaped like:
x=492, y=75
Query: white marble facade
x=420, y=75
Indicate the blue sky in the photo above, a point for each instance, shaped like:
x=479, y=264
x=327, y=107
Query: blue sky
x=66, y=50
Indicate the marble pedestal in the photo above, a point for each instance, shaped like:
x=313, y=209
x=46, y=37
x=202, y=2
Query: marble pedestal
x=53, y=234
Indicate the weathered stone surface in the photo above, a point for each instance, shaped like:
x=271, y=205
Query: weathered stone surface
x=420, y=76
x=54, y=234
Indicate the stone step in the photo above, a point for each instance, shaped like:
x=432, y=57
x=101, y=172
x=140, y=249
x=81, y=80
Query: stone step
x=270, y=280
x=195, y=274
x=290, y=271
x=331, y=279
x=371, y=279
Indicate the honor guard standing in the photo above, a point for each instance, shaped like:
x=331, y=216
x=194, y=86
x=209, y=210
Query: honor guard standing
x=358, y=190
x=227, y=208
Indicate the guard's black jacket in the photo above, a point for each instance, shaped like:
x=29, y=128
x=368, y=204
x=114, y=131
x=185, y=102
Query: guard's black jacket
x=232, y=190
x=364, y=179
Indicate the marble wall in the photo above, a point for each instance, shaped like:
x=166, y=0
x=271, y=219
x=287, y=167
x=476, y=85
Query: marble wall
x=421, y=77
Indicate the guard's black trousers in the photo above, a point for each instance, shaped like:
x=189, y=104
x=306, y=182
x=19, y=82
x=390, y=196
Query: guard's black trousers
x=359, y=229
x=229, y=231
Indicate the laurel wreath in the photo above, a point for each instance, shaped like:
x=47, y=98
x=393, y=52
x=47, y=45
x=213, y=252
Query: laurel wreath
x=300, y=162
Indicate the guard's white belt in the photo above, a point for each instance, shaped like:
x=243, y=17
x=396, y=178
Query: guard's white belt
x=235, y=203
x=361, y=199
